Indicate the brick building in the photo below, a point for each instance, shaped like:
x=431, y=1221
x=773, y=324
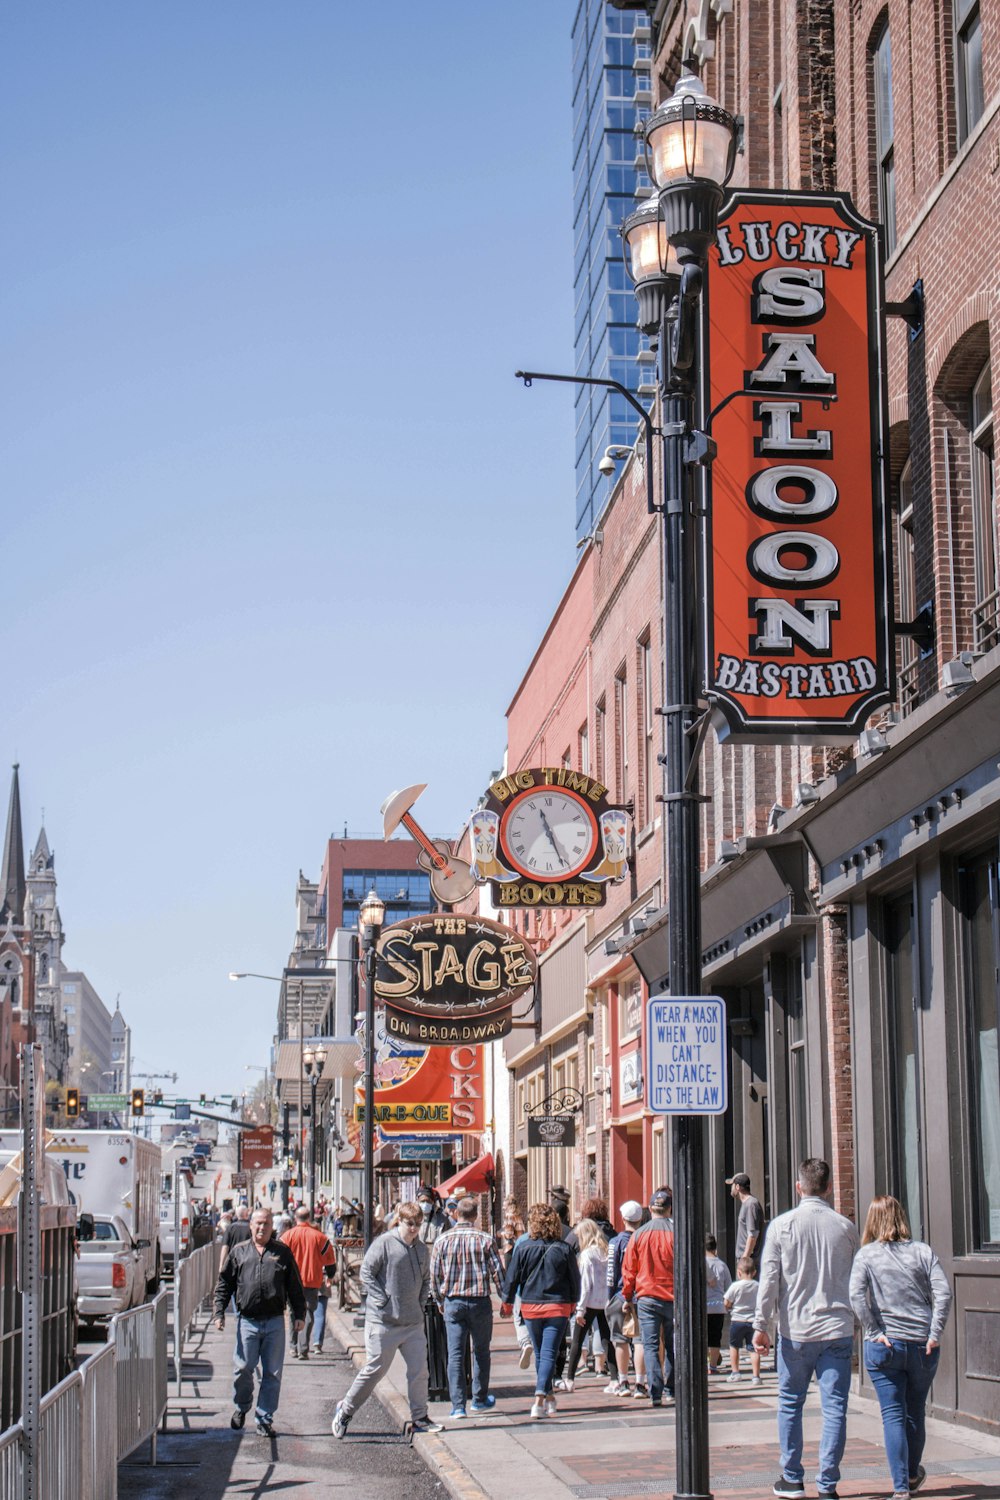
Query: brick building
x=850, y=892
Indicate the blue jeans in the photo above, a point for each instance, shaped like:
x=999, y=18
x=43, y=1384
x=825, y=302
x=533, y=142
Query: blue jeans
x=319, y=1319
x=830, y=1361
x=263, y=1340
x=547, y=1336
x=468, y=1318
x=656, y=1313
x=902, y=1376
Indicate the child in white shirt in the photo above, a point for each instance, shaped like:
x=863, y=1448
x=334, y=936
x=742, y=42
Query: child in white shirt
x=741, y=1304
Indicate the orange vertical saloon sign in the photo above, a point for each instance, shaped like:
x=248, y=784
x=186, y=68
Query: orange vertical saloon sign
x=798, y=643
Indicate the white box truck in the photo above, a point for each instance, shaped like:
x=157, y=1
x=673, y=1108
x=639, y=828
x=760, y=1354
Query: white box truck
x=113, y=1173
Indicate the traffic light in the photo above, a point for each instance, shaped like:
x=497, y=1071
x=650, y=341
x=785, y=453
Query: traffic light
x=72, y=1104
x=158, y=1097
x=234, y=1106
x=201, y=1101
x=138, y=1102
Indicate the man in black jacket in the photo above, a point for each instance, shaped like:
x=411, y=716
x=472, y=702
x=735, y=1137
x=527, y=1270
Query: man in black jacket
x=261, y=1274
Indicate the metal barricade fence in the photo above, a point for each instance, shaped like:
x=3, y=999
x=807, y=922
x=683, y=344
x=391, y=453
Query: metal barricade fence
x=194, y=1280
x=100, y=1403
x=140, y=1340
x=60, y=1447
x=11, y=1463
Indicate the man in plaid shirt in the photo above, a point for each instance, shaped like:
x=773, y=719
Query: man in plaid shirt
x=462, y=1262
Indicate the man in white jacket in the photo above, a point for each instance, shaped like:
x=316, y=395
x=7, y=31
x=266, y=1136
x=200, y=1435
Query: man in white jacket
x=805, y=1281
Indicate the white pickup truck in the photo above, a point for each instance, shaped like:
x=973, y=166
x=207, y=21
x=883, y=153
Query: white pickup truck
x=110, y=1270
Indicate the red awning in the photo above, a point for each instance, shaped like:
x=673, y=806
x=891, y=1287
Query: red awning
x=475, y=1178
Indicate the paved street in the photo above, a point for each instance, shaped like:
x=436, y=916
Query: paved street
x=201, y=1455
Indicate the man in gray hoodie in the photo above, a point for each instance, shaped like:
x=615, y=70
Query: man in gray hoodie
x=805, y=1280
x=395, y=1278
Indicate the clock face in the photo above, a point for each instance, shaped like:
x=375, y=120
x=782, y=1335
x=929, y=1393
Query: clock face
x=549, y=834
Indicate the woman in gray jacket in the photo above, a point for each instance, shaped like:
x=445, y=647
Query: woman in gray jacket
x=901, y=1298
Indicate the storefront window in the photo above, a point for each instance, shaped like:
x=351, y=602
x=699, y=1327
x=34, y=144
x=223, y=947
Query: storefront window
x=980, y=892
x=798, y=1104
x=903, y=1045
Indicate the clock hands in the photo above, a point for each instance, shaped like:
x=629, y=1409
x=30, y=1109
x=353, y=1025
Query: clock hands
x=560, y=852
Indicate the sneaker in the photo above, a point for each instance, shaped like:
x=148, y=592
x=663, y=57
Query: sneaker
x=238, y=1419
x=341, y=1421
x=832, y=1494
x=524, y=1358
x=656, y=1400
x=304, y=1354
x=457, y=1413
x=537, y=1408
x=550, y=1406
x=317, y=1349
x=917, y=1479
x=562, y=1385
x=618, y=1388
x=783, y=1486
x=733, y=1378
x=756, y=1380
x=901, y=1494
x=668, y=1399
x=641, y=1390
x=487, y=1404
x=295, y=1352
x=425, y=1424
x=264, y=1428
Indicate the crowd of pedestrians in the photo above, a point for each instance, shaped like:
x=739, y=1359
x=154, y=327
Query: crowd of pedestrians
x=802, y=1284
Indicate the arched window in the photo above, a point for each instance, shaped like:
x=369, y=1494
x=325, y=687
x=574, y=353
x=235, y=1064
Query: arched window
x=884, y=136
x=986, y=610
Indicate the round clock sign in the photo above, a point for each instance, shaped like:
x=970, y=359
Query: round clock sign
x=550, y=837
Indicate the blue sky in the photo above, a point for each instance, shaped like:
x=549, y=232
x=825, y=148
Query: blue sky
x=281, y=530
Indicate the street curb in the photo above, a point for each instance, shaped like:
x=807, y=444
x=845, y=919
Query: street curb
x=436, y=1454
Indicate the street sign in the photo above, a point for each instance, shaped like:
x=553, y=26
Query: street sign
x=257, y=1148
x=108, y=1101
x=425, y=1151
x=182, y=1111
x=686, y=1069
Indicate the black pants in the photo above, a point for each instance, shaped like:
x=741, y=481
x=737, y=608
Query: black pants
x=580, y=1333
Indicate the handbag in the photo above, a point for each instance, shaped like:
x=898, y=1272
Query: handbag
x=630, y=1324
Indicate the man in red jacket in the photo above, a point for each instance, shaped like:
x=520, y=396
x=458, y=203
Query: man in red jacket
x=648, y=1280
x=315, y=1258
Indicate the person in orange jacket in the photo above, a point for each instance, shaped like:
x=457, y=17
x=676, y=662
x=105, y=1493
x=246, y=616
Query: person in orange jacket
x=648, y=1281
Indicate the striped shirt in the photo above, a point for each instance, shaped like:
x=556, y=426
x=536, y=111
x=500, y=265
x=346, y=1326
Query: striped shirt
x=462, y=1262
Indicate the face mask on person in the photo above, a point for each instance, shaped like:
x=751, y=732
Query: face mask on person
x=426, y=1208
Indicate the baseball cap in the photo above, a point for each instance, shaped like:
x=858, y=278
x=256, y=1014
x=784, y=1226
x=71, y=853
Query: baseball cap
x=425, y=1192
x=631, y=1211
x=451, y=1203
x=661, y=1199
x=740, y=1179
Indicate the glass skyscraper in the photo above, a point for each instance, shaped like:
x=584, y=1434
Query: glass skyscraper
x=612, y=92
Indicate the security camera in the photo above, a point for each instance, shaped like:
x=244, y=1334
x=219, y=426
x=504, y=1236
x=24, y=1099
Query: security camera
x=607, y=465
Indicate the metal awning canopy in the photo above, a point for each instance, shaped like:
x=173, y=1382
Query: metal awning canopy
x=342, y=1053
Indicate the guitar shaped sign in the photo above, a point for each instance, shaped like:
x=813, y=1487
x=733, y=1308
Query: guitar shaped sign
x=451, y=878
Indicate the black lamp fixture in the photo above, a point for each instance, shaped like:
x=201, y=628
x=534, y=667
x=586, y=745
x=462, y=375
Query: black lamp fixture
x=690, y=155
x=313, y=1061
x=651, y=263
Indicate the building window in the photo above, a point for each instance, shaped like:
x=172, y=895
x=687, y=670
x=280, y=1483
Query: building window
x=567, y=760
x=600, y=741
x=985, y=613
x=903, y=1050
x=882, y=72
x=621, y=734
x=906, y=579
x=980, y=891
x=583, y=749
x=968, y=66
x=646, y=749
x=798, y=1096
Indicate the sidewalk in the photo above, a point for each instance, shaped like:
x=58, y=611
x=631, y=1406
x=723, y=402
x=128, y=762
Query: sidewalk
x=605, y=1448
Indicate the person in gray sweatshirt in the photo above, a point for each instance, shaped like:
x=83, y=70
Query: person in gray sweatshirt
x=805, y=1279
x=901, y=1298
x=396, y=1279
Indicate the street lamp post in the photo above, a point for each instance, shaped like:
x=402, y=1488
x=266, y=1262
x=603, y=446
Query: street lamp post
x=370, y=918
x=690, y=151
x=313, y=1062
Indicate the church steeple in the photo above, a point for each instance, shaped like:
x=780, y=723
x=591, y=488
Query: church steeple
x=12, y=873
